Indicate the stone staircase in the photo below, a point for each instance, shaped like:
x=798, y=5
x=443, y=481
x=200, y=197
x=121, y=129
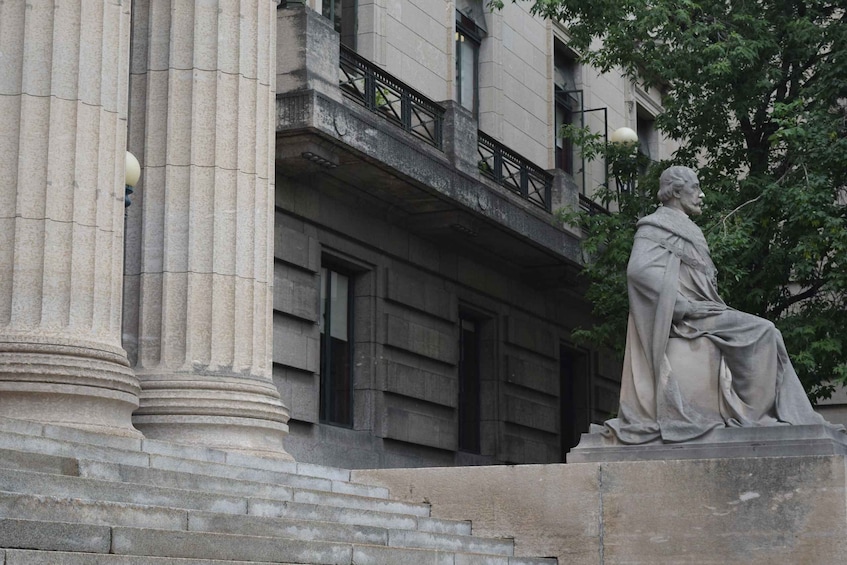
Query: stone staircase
x=73, y=497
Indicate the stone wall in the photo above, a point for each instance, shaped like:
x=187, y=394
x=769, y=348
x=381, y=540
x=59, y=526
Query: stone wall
x=409, y=293
x=769, y=511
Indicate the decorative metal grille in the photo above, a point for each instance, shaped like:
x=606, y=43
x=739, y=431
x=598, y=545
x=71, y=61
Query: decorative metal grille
x=389, y=97
x=508, y=169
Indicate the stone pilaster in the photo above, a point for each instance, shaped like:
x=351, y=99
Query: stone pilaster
x=198, y=318
x=63, y=83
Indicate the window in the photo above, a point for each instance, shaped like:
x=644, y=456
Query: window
x=336, y=403
x=469, y=385
x=566, y=104
x=647, y=139
x=468, y=37
x=342, y=14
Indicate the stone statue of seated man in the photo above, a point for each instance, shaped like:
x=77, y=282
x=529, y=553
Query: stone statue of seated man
x=679, y=327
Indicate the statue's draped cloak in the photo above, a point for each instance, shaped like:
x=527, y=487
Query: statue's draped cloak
x=669, y=268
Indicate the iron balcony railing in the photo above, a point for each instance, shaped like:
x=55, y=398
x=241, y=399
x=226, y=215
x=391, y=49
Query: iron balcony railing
x=590, y=206
x=391, y=98
x=508, y=169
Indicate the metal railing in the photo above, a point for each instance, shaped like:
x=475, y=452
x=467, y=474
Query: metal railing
x=391, y=98
x=512, y=171
x=590, y=206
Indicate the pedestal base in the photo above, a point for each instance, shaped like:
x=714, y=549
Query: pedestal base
x=771, y=441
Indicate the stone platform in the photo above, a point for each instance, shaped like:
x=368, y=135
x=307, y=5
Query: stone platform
x=775, y=441
x=785, y=510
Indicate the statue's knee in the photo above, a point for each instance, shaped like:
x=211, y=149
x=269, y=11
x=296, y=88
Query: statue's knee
x=696, y=365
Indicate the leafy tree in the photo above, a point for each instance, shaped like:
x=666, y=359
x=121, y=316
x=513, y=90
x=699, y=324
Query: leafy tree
x=755, y=91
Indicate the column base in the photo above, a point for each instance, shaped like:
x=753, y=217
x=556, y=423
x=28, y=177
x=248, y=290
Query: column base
x=68, y=384
x=222, y=412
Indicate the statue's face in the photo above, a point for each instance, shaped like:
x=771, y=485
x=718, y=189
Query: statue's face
x=691, y=197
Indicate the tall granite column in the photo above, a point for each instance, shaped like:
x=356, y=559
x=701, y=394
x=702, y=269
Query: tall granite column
x=198, y=318
x=63, y=104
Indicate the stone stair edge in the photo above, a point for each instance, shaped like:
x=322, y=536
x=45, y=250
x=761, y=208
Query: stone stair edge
x=236, y=501
x=152, y=542
x=91, y=491
x=38, y=557
x=152, y=447
x=182, y=519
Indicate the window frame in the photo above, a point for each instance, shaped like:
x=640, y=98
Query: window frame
x=467, y=31
x=327, y=383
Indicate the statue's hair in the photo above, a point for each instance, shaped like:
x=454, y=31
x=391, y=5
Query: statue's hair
x=674, y=178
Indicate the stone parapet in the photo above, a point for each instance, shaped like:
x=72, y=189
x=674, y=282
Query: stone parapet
x=461, y=138
x=310, y=49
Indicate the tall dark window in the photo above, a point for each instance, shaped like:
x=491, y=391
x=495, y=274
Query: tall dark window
x=645, y=125
x=566, y=104
x=336, y=349
x=342, y=14
x=469, y=385
x=468, y=37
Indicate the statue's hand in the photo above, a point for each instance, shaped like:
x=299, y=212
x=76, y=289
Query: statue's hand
x=704, y=309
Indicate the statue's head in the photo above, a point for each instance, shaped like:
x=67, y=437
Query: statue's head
x=679, y=188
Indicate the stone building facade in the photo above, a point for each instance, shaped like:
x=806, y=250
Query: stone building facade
x=343, y=247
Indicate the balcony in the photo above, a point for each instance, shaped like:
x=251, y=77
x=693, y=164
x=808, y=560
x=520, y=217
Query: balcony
x=379, y=92
x=347, y=126
x=514, y=172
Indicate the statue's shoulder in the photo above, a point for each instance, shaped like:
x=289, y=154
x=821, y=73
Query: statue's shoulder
x=658, y=219
x=671, y=222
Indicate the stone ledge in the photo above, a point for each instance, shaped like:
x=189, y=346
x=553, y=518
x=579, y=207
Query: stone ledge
x=342, y=132
x=722, y=443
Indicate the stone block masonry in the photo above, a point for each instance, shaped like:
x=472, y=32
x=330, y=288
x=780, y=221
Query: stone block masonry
x=768, y=510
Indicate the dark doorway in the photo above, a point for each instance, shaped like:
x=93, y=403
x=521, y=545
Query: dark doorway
x=469, y=385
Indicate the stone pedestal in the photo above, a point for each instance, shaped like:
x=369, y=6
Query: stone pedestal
x=63, y=73
x=770, y=441
x=752, y=510
x=198, y=318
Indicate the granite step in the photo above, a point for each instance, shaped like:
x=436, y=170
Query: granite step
x=99, y=489
x=75, y=510
x=391, y=537
x=35, y=557
x=94, y=512
x=25, y=436
x=163, y=543
x=40, y=496
x=150, y=542
x=70, y=496
x=207, y=462
x=263, y=484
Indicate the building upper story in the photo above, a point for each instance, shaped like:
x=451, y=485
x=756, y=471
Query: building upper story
x=512, y=70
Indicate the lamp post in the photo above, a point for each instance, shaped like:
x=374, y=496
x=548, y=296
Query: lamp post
x=131, y=176
x=624, y=163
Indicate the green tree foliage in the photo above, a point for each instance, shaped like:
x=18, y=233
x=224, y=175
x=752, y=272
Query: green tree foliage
x=755, y=91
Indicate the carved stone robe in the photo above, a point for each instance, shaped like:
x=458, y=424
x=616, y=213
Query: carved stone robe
x=670, y=267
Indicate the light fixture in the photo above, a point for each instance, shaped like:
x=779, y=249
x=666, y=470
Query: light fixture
x=624, y=135
x=625, y=164
x=131, y=176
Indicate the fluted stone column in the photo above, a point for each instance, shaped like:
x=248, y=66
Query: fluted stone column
x=199, y=319
x=63, y=103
